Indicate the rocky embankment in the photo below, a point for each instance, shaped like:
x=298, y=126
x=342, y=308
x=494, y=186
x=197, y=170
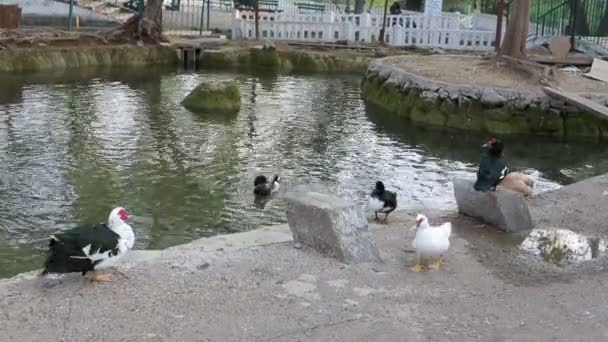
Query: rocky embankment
x=477, y=107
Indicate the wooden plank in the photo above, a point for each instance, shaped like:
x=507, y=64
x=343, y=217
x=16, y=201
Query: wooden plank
x=587, y=105
x=599, y=70
x=584, y=61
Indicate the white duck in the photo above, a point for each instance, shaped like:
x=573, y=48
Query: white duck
x=430, y=242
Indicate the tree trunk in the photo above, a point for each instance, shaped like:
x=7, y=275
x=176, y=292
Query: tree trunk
x=359, y=6
x=145, y=26
x=514, y=44
x=581, y=24
x=256, y=9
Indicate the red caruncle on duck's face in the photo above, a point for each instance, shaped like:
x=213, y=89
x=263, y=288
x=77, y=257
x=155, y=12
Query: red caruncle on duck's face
x=123, y=214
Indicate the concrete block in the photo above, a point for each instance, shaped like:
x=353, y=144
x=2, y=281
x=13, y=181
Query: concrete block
x=505, y=209
x=331, y=226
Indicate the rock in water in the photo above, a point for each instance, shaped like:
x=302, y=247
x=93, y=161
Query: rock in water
x=503, y=208
x=223, y=97
x=558, y=245
x=331, y=226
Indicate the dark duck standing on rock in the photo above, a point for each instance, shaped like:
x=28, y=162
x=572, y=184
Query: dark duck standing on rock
x=261, y=187
x=494, y=171
x=492, y=168
x=88, y=248
x=382, y=201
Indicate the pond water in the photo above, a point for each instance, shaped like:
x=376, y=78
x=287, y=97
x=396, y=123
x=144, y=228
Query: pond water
x=72, y=146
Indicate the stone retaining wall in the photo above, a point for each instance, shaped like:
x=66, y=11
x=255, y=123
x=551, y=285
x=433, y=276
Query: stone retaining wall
x=52, y=58
x=495, y=110
x=296, y=61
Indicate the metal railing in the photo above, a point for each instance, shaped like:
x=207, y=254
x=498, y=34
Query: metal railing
x=586, y=19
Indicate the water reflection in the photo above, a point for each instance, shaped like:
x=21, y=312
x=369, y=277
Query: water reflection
x=72, y=147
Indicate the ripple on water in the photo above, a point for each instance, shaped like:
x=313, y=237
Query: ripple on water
x=73, y=149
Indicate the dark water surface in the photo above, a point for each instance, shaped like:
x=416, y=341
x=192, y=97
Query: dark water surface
x=72, y=146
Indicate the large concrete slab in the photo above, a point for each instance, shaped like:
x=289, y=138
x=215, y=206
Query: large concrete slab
x=581, y=207
x=599, y=70
x=331, y=226
x=504, y=209
x=228, y=289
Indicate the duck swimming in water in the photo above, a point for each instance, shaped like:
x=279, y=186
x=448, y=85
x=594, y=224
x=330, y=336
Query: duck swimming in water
x=494, y=171
x=382, y=201
x=261, y=187
x=430, y=242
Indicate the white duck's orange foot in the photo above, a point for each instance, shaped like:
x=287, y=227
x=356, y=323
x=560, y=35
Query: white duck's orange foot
x=436, y=265
x=100, y=277
x=417, y=268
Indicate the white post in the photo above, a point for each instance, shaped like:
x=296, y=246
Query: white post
x=432, y=12
x=433, y=8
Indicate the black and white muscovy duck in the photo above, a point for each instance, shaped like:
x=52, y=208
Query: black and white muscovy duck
x=382, y=201
x=492, y=168
x=494, y=171
x=88, y=248
x=261, y=187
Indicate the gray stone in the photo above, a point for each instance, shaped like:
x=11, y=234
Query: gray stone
x=429, y=96
x=423, y=84
x=437, y=51
x=371, y=73
x=443, y=94
x=470, y=92
x=374, y=67
x=431, y=86
x=268, y=45
x=557, y=245
x=545, y=104
x=491, y=98
x=557, y=103
x=555, y=111
x=505, y=209
x=380, y=53
x=522, y=102
x=462, y=100
x=384, y=73
x=392, y=81
x=453, y=93
x=331, y=226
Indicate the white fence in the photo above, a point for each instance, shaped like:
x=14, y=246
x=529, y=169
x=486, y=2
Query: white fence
x=401, y=30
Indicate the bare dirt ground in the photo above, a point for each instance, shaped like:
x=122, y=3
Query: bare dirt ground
x=472, y=70
x=28, y=38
